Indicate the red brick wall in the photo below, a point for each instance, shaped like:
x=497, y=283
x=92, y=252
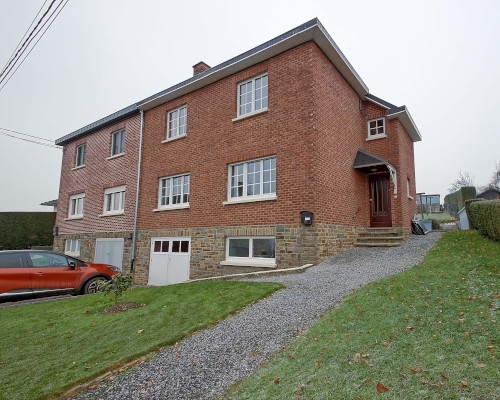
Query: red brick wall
x=214, y=141
x=98, y=174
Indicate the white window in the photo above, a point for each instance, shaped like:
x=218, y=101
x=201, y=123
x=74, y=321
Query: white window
x=114, y=200
x=76, y=205
x=376, y=128
x=80, y=155
x=252, y=180
x=72, y=247
x=251, y=250
x=174, y=192
x=118, y=142
x=177, y=123
x=408, y=189
x=252, y=95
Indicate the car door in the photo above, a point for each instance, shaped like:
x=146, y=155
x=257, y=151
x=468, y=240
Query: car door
x=15, y=275
x=52, y=271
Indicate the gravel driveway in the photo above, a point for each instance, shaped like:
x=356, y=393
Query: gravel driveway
x=204, y=365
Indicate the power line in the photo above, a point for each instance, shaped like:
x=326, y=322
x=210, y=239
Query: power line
x=20, y=45
x=25, y=134
x=43, y=33
x=31, y=141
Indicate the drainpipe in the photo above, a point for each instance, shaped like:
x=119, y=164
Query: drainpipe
x=136, y=214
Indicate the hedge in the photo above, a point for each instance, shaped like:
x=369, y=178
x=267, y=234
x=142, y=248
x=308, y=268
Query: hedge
x=484, y=215
x=22, y=230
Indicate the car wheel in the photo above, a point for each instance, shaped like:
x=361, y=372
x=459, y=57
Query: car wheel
x=92, y=286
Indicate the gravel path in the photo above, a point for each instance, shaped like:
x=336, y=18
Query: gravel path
x=204, y=365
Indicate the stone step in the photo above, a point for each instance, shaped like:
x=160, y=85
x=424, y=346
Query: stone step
x=379, y=237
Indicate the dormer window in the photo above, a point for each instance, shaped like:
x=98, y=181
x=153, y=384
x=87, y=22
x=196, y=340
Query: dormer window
x=376, y=129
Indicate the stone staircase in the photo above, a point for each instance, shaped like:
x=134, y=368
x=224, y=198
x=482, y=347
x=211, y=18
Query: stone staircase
x=379, y=237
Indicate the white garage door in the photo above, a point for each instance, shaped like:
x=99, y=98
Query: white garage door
x=109, y=251
x=169, y=261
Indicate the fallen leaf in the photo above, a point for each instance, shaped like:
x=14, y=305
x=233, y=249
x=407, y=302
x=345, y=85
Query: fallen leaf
x=410, y=328
x=464, y=383
x=317, y=363
x=277, y=380
x=92, y=386
x=381, y=388
x=467, y=334
x=489, y=348
x=444, y=377
x=416, y=370
x=461, y=320
x=299, y=389
x=481, y=365
x=140, y=331
x=384, y=343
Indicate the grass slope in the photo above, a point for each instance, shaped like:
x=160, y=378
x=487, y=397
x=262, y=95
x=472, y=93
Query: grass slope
x=429, y=333
x=45, y=349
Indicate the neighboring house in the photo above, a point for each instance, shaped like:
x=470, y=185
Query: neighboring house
x=489, y=194
x=428, y=203
x=273, y=159
x=98, y=188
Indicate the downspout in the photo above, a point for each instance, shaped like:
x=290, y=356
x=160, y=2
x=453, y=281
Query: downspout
x=136, y=214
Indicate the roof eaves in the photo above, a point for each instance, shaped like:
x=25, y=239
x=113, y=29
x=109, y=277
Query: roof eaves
x=405, y=118
x=379, y=101
x=123, y=113
x=311, y=30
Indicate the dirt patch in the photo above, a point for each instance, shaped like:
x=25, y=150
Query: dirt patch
x=121, y=307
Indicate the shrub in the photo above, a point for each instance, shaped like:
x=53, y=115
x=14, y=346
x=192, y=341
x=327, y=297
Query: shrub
x=435, y=224
x=485, y=217
x=22, y=230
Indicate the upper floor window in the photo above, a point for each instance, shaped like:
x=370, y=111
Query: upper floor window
x=118, y=142
x=252, y=95
x=177, y=123
x=376, y=128
x=76, y=205
x=174, y=192
x=252, y=180
x=80, y=155
x=114, y=200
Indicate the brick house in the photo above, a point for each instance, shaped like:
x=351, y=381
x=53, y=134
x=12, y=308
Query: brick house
x=273, y=159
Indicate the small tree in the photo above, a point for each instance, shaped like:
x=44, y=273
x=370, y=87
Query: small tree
x=116, y=286
x=464, y=179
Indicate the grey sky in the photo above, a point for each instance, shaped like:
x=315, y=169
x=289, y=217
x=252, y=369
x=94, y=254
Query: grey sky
x=440, y=58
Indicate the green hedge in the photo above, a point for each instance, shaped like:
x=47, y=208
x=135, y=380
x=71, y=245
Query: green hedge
x=22, y=230
x=484, y=215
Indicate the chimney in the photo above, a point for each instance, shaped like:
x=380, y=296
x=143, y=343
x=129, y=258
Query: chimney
x=199, y=68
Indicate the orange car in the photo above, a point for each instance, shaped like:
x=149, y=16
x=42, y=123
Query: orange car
x=33, y=272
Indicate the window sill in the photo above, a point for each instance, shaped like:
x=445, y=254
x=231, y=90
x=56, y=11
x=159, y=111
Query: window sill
x=112, y=214
x=410, y=198
x=249, y=262
x=250, y=199
x=375, y=137
x=69, y=253
x=173, y=139
x=79, y=167
x=73, y=218
x=172, y=207
x=115, y=156
x=251, y=114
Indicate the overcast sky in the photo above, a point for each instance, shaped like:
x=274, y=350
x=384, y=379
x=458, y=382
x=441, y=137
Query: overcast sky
x=440, y=58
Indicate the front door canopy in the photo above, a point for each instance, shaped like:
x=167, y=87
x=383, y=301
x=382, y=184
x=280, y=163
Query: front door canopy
x=370, y=163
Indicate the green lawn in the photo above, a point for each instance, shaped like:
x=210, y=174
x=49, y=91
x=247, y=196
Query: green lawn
x=47, y=348
x=432, y=332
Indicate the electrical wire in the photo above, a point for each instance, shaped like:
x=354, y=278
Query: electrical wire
x=25, y=134
x=17, y=67
x=28, y=140
x=23, y=38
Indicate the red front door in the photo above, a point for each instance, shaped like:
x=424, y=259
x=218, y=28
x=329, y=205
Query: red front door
x=380, y=201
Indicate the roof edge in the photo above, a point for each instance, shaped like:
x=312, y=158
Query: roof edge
x=406, y=120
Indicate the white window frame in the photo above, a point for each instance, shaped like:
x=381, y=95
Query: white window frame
x=81, y=153
x=251, y=260
x=119, y=151
x=245, y=197
x=408, y=189
x=377, y=131
x=72, y=247
x=175, y=128
x=114, y=201
x=254, y=108
x=184, y=187
x=76, y=206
